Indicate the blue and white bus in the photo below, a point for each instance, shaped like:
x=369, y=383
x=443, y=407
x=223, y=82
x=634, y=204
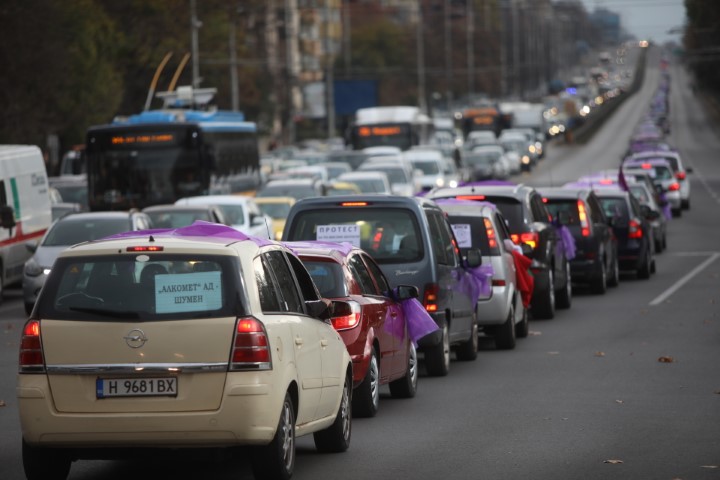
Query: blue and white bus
x=159, y=156
x=400, y=126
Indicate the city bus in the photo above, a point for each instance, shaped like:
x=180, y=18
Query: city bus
x=159, y=156
x=402, y=127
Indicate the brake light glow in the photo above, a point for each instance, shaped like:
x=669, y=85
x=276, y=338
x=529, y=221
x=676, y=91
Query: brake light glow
x=490, y=232
x=531, y=238
x=470, y=197
x=646, y=166
x=674, y=187
x=32, y=359
x=430, y=297
x=680, y=175
x=149, y=248
x=635, y=229
x=606, y=181
x=545, y=200
x=346, y=322
x=496, y=282
x=251, y=348
x=377, y=238
x=582, y=215
x=354, y=204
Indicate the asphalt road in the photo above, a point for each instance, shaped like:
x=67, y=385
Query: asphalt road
x=584, y=396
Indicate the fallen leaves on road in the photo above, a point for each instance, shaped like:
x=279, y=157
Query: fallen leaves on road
x=2, y=403
x=712, y=467
x=553, y=353
x=619, y=401
x=534, y=333
x=613, y=462
x=599, y=354
x=717, y=392
x=666, y=359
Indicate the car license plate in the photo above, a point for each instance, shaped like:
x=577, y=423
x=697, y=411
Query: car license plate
x=137, y=387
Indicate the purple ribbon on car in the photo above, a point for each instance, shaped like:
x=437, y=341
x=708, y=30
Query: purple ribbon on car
x=199, y=228
x=475, y=282
x=667, y=211
x=567, y=242
x=419, y=321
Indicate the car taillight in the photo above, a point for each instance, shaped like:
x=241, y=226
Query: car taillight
x=496, y=282
x=635, y=229
x=582, y=215
x=346, y=322
x=430, y=298
x=470, y=197
x=251, y=348
x=680, y=175
x=490, y=232
x=531, y=238
x=674, y=187
x=31, y=354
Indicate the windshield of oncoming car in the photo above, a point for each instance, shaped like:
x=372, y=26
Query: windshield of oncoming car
x=140, y=286
x=275, y=210
x=177, y=219
x=295, y=191
x=328, y=277
x=427, y=167
x=367, y=185
x=390, y=235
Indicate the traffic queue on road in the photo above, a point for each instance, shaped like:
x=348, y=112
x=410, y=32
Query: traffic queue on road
x=199, y=335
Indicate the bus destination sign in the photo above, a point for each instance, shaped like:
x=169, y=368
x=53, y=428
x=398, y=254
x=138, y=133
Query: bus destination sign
x=129, y=139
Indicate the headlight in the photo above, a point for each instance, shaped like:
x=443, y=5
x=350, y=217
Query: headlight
x=32, y=269
x=525, y=159
x=453, y=183
x=440, y=182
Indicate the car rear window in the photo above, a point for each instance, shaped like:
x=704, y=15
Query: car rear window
x=616, y=208
x=142, y=287
x=390, y=235
x=328, y=277
x=471, y=232
x=69, y=232
x=428, y=167
x=567, y=206
x=511, y=210
x=294, y=191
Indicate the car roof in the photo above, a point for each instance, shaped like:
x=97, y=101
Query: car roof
x=278, y=199
x=362, y=174
x=564, y=192
x=292, y=181
x=515, y=191
x=369, y=198
x=213, y=199
x=177, y=207
x=80, y=216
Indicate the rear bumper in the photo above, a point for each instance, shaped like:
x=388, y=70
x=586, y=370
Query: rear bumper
x=494, y=311
x=248, y=415
x=583, y=270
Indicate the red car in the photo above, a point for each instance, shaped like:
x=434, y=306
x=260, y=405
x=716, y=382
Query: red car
x=376, y=333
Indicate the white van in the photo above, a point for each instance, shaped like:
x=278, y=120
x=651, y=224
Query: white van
x=25, y=211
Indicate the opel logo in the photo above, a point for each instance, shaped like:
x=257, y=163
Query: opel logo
x=135, y=338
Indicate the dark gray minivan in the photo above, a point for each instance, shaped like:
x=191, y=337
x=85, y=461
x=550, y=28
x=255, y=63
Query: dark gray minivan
x=412, y=241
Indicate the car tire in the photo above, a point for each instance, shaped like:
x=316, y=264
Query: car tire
x=336, y=438
x=677, y=212
x=685, y=204
x=276, y=460
x=543, y=305
x=505, y=333
x=658, y=245
x=644, y=270
x=437, y=357
x=664, y=241
x=467, y=351
x=599, y=283
x=614, y=278
x=41, y=463
x=522, y=329
x=406, y=387
x=366, y=397
x=563, y=297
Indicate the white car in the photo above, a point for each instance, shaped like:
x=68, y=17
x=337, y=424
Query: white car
x=429, y=165
x=240, y=212
x=502, y=314
x=681, y=171
x=401, y=176
x=197, y=337
x=368, y=182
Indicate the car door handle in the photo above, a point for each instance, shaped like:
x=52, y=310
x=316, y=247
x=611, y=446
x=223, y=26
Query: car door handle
x=298, y=341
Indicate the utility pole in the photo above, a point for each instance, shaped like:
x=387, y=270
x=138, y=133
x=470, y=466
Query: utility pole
x=422, y=102
x=234, y=88
x=448, y=55
x=329, y=76
x=469, y=15
x=347, y=37
x=195, y=25
x=290, y=39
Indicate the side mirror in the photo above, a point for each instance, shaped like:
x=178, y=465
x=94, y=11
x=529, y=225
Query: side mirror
x=406, y=292
x=319, y=309
x=645, y=210
x=473, y=258
x=7, y=217
x=652, y=215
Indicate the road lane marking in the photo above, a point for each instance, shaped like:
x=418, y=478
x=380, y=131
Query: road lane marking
x=667, y=293
x=705, y=184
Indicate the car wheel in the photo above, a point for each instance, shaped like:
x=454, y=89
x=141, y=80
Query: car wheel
x=686, y=204
x=522, y=328
x=467, y=350
x=406, y=387
x=664, y=241
x=614, y=279
x=543, y=305
x=563, y=297
x=659, y=245
x=276, y=460
x=42, y=463
x=643, y=271
x=505, y=334
x=336, y=438
x=437, y=357
x=598, y=285
x=366, y=397
x=677, y=212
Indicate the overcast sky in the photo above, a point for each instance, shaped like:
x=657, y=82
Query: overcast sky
x=646, y=19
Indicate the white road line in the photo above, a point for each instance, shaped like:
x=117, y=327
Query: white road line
x=663, y=296
x=705, y=184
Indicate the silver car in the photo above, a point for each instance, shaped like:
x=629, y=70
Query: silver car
x=69, y=230
x=501, y=315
